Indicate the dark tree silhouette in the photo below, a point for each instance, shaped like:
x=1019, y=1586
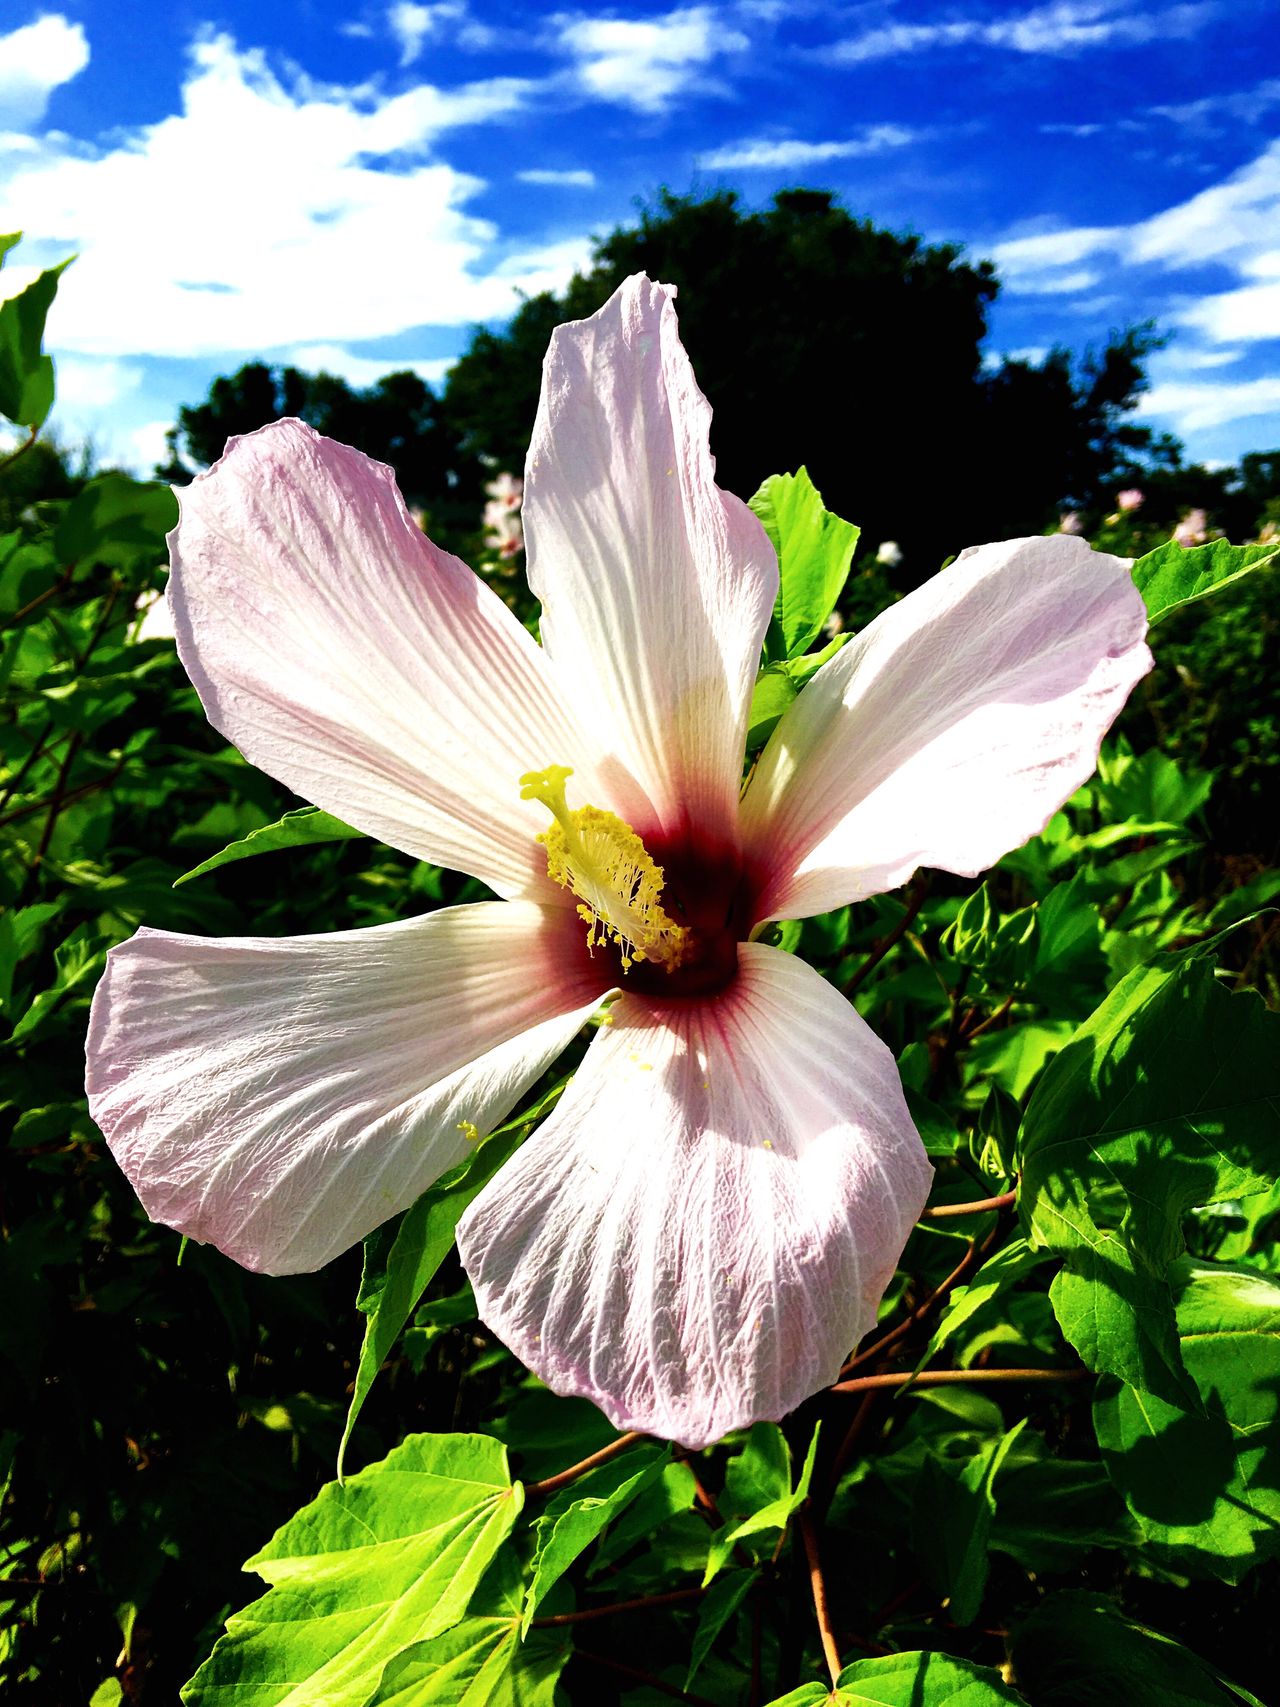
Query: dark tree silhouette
x=398, y=420
x=820, y=338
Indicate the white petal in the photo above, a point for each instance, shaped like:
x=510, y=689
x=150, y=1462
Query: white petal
x=656, y=586
x=351, y=659
x=703, y=1229
x=280, y=1098
x=951, y=729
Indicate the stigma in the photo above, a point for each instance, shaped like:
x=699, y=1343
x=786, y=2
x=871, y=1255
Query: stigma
x=606, y=865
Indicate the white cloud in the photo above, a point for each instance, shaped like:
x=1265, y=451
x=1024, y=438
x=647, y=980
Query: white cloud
x=1232, y=222
x=1064, y=28
x=36, y=60
x=144, y=448
x=577, y=178
x=412, y=25
x=267, y=214
x=87, y=385
x=362, y=371
x=1197, y=407
x=785, y=153
x=647, y=62
x=1243, y=105
x=1071, y=129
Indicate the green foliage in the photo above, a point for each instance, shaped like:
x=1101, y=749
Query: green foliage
x=402, y=1257
x=1174, y=575
x=909, y=1680
x=1164, y=1099
x=815, y=552
x=304, y=827
x=1079, y=1650
x=26, y=373
x=1201, y=1486
x=371, y=1567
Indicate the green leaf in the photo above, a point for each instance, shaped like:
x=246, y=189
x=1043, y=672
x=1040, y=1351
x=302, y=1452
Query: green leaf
x=115, y=520
x=481, y=1662
x=402, y=1257
x=77, y=962
x=578, y=1515
x=26, y=375
x=1205, y=1489
x=1078, y=1649
x=1001, y=1271
x=775, y=688
x=1163, y=1099
x=776, y=1514
x=778, y=684
x=909, y=1680
x=815, y=550
x=371, y=1567
x=304, y=827
x=717, y=1607
x=1175, y=575
x=952, y=1522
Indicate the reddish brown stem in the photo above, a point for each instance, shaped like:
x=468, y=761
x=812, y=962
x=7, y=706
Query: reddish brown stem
x=879, y=1348
x=940, y=1211
x=948, y=1377
x=672, y=1598
x=992, y=1019
x=818, y=1586
x=552, y=1484
x=882, y=947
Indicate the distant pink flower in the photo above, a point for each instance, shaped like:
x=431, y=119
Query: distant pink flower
x=1192, y=529
x=1071, y=522
x=504, y=530
x=704, y=1226
x=1130, y=499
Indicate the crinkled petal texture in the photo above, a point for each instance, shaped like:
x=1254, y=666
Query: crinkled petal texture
x=656, y=586
x=704, y=1227
x=280, y=1098
x=951, y=729
x=368, y=671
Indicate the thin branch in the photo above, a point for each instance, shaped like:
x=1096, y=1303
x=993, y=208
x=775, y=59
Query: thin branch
x=553, y=1484
x=818, y=1584
x=968, y=1034
x=879, y=1348
x=24, y=611
x=949, y=1377
x=846, y=1448
x=671, y=1598
x=940, y=1211
x=644, y=1677
x=920, y=887
x=8, y=461
x=19, y=776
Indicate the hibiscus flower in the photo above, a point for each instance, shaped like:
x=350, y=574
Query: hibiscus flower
x=705, y=1224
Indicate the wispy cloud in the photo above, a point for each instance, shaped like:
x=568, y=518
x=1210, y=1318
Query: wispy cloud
x=783, y=152
x=576, y=177
x=346, y=227
x=359, y=370
x=36, y=60
x=1066, y=27
x=647, y=62
x=1200, y=406
x=1241, y=106
x=413, y=25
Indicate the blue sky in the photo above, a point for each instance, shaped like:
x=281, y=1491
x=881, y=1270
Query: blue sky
x=355, y=186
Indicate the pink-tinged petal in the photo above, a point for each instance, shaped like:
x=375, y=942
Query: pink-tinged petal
x=280, y=1098
x=351, y=659
x=656, y=586
x=951, y=729
x=703, y=1229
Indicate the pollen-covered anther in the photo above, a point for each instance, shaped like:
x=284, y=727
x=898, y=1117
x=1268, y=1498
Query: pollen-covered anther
x=606, y=865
